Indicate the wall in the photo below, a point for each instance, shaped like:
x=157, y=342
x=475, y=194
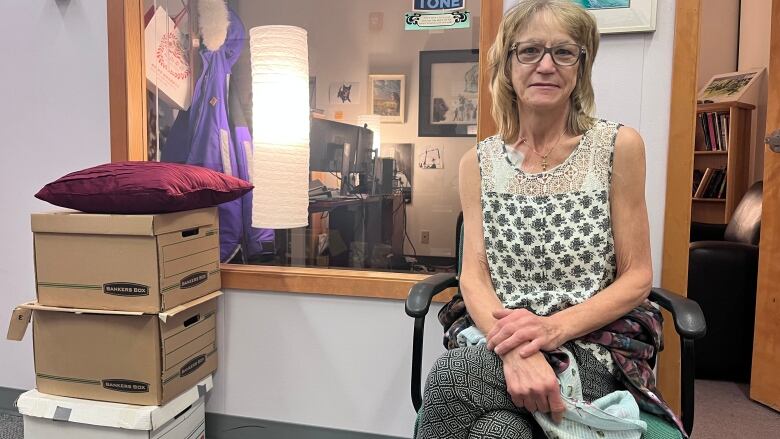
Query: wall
x=55, y=85
x=343, y=48
x=754, y=53
x=719, y=38
x=328, y=361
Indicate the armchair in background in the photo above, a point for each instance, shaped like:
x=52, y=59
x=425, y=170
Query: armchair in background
x=722, y=274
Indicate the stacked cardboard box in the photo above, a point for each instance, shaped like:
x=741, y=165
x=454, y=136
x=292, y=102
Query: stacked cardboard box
x=126, y=305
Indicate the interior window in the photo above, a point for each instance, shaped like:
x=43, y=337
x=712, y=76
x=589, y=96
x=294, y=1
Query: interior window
x=391, y=110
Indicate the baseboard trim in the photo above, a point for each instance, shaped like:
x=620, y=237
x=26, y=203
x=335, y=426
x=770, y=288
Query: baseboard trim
x=220, y=426
x=236, y=427
x=8, y=398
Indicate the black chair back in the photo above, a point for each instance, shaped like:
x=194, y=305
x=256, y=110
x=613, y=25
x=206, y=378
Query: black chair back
x=745, y=224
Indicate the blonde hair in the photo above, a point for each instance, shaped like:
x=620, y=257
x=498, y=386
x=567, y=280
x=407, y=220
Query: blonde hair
x=580, y=25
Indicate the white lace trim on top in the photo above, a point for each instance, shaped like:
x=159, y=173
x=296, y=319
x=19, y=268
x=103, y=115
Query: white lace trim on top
x=588, y=167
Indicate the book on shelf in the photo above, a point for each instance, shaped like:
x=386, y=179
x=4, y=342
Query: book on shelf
x=711, y=191
x=697, y=175
x=711, y=183
x=711, y=132
x=706, y=176
x=700, y=142
x=716, y=120
x=722, y=189
x=712, y=128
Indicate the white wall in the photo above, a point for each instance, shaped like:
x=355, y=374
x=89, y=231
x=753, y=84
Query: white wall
x=334, y=362
x=317, y=360
x=54, y=81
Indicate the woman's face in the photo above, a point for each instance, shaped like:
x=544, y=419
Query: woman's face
x=543, y=85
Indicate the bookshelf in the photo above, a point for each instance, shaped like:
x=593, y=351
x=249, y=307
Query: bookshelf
x=720, y=160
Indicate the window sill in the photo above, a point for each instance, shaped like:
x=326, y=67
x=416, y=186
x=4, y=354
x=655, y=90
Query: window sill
x=354, y=283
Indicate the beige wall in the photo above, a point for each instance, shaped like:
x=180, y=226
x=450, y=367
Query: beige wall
x=719, y=38
x=754, y=53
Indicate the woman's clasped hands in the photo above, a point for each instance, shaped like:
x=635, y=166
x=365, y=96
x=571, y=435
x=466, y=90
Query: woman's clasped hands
x=522, y=328
x=518, y=338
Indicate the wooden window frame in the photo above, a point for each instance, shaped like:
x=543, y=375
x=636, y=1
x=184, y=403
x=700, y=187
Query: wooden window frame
x=128, y=112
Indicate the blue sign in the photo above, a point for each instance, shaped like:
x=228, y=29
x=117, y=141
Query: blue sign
x=438, y=5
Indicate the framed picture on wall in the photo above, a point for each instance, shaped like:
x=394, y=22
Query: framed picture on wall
x=386, y=97
x=622, y=16
x=449, y=81
x=728, y=87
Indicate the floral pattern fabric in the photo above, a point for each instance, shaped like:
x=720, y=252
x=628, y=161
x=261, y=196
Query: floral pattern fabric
x=548, y=236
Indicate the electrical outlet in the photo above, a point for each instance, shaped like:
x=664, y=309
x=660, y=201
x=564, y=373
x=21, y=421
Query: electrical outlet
x=425, y=237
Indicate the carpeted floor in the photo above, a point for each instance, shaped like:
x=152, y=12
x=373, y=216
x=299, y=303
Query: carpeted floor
x=11, y=427
x=723, y=410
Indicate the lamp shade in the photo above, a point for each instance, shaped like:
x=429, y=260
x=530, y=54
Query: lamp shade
x=373, y=122
x=279, y=57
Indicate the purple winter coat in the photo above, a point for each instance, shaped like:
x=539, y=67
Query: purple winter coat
x=214, y=134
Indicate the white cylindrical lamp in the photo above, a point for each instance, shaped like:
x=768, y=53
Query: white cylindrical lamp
x=280, y=119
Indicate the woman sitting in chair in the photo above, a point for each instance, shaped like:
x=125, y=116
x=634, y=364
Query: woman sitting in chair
x=556, y=253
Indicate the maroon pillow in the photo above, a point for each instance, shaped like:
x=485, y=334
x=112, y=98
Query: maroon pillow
x=143, y=187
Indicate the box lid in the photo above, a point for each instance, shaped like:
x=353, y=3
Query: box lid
x=109, y=414
x=71, y=221
x=20, y=318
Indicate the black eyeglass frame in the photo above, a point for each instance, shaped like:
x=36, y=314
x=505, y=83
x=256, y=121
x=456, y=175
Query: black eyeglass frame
x=549, y=50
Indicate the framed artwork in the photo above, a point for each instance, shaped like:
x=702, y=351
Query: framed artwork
x=622, y=16
x=449, y=81
x=728, y=87
x=386, y=97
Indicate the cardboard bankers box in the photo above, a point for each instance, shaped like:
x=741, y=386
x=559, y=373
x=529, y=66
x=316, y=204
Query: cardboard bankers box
x=147, y=263
x=120, y=356
x=49, y=416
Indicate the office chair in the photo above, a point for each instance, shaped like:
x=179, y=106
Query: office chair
x=722, y=275
x=688, y=322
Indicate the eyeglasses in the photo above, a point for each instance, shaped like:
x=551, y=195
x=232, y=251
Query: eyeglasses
x=562, y=54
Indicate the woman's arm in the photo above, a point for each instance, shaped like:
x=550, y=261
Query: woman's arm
x=475, y=283
x=634, y=266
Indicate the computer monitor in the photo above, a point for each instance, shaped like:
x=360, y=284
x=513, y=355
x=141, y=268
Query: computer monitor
x=326, y=145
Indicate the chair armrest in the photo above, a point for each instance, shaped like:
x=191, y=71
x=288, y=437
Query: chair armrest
x=707, y=232
x=420, y=295
x=688, y=317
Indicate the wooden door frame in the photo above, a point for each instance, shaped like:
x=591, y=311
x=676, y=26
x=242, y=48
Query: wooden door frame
x=679, y=178
x=764, y=386
x=126, y=80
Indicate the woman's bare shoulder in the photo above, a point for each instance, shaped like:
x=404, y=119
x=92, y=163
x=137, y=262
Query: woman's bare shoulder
x=629, y=142
x=469, y=174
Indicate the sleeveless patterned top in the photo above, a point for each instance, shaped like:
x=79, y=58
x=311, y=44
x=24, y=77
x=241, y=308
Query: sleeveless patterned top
x=548, y=236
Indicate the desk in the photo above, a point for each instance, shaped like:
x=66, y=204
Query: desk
x=361, y=231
